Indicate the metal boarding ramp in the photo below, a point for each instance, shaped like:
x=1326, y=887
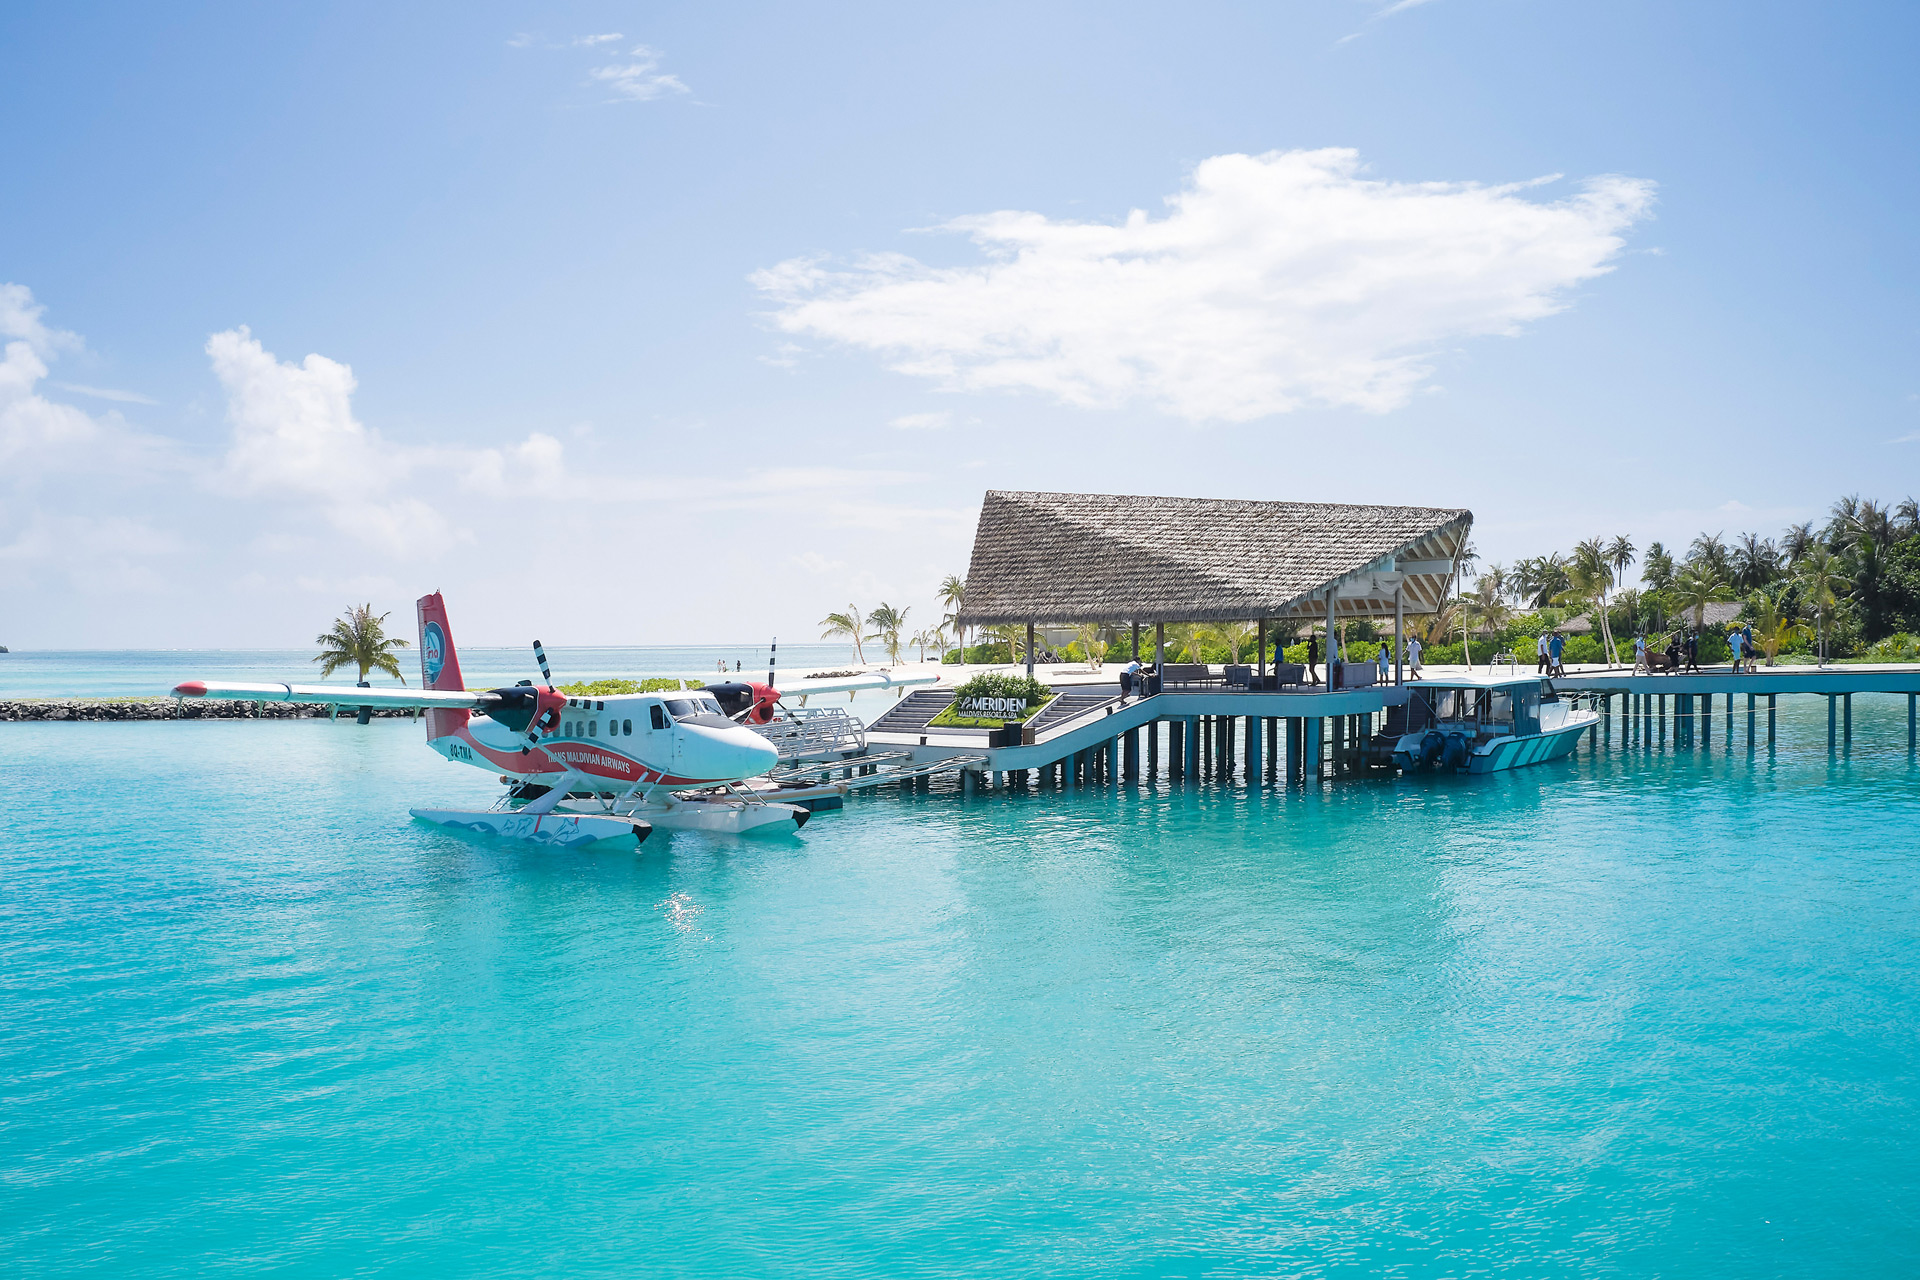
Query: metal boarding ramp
x=887, y=766
x=814, y=733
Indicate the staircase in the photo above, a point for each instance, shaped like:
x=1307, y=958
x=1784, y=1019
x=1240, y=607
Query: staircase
x=911, y=713
x=1073, y=702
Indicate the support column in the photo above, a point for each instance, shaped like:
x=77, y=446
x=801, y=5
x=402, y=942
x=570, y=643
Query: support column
x=1773, y=700
x=1130, y=760
x=999, y=780
x=1160, y=659
x=1177, y=748
x=1399, y=641
x=1196, y=750
x=1913, y=701
x=1254, y=753
x=1846, y=733
x=1029, y=651
x=1293, y=749
x=1136, y=642
x=1113, y=757
x=1153, y=749
x=1663, y=719
x=1273, y=751
x=1750, y=715
x=1260, y=649
x=1831, y=711
x=966, y=784
x=1706, y=719
x=1729, y=737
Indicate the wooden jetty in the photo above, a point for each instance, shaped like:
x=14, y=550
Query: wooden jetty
x=1642, y=702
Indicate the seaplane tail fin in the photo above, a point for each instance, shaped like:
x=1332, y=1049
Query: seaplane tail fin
x=439, y=665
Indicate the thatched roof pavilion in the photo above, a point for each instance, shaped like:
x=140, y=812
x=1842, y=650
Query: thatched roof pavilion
x=1092, y=557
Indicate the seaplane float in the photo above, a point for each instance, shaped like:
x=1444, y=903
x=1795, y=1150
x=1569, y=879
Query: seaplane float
x=575, y=769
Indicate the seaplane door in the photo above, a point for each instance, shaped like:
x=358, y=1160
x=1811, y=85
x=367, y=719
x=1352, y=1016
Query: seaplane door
x=662, y=742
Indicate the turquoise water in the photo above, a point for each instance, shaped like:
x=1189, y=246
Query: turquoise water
x=1631, y=1014
x=78, y=673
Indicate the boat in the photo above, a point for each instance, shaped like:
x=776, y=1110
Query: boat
x=1480, y=724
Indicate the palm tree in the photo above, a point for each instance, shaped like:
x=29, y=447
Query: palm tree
x=1772, y=629
x=1656, y=569
x=1797, y=541
x=1710, y=549
x=845, y=624
x=1907, y=518
x=1842, y=516
x=1620, y=556
x=358, y=639
x=922, y=638
x=1496, y=581
x=1484, y=610
x=887, y=623
x=1011, y=634
x=1592, y=573
x=1541, y=579
x=1697, y=587
x=953, y=591
x=1756, y=562
x=1088, y=634
x=1822, y=579
x=1865, y=587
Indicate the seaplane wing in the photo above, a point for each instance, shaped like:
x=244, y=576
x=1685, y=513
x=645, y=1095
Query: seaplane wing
x=337, y=695
x=854, y=684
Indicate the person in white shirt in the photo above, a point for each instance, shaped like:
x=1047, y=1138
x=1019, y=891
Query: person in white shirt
x=1380, y=661
x=1540, y=654
x=1413, y=655
x=1130, y=678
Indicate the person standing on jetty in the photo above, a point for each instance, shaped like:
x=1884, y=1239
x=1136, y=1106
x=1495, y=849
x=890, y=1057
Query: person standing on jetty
x=1540, y=654
x=1693, y=650
x=1640, y=653
x=1129, y=678
x=1313, y=657
x=1555, y=647
x=1380, y=662
x=1413, y=655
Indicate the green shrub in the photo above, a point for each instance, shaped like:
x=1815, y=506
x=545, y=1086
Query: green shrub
x=1901, y=646
x=993, y=684
x=613, y=686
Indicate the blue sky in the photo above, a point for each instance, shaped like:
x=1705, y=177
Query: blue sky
x=637, y=324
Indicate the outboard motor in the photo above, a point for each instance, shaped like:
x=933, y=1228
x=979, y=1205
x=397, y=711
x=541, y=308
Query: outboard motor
x=1456, y=756
x=1431, y=748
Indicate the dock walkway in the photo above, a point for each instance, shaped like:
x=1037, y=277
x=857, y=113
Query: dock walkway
x=1643, y=698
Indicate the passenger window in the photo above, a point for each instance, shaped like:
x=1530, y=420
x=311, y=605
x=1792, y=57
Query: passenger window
x=593, y=728
x=659, y=716
x=566, y=730
x=626, y=726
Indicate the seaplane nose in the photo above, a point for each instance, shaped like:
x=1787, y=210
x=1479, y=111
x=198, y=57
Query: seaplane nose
x=726, y=753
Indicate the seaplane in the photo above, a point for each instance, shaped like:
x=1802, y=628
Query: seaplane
x=578, y=770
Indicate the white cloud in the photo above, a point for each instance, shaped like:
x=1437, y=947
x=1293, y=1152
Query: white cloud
x=1912, y=437
x=106, y=393
x=1273, y=282
x=921, y=421
x=610, y=37
x=294, y=434
x=40, y=436
x=639, y=80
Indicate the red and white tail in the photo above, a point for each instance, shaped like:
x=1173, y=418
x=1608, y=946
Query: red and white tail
x=439, y=665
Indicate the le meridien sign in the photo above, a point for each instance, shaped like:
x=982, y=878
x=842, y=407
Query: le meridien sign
x=993, y=706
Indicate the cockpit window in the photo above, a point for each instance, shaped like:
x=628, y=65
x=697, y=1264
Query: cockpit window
x=687, y=708
x=659, y=716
